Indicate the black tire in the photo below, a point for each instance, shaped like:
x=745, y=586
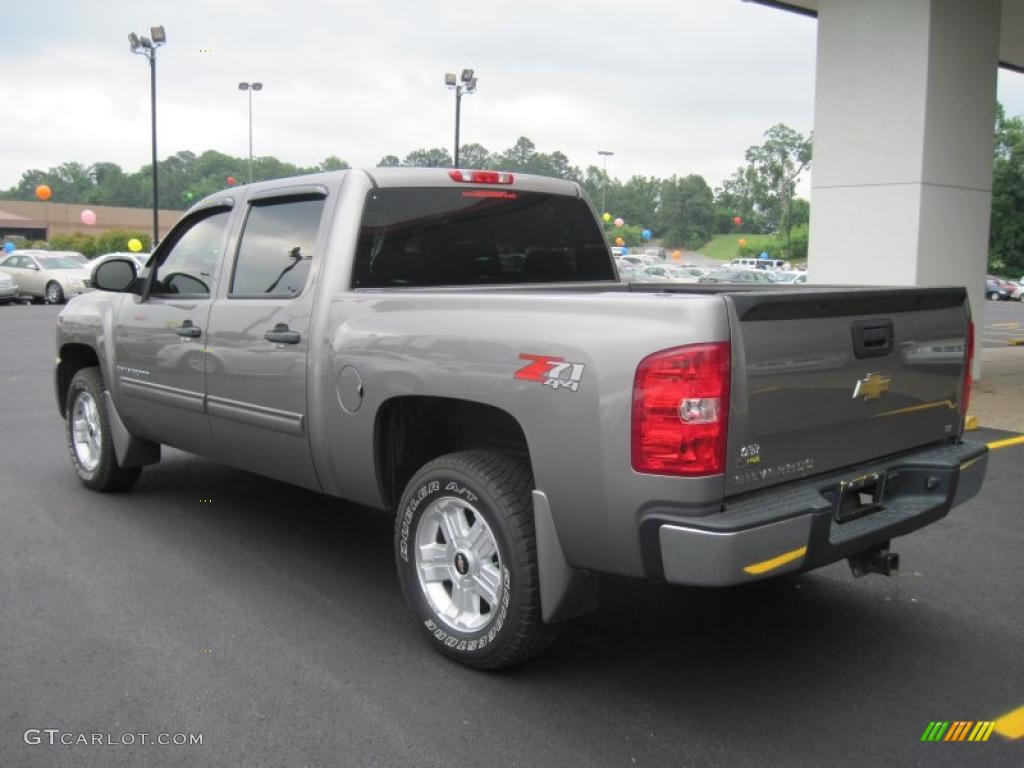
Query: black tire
x=107, y=474
x=53, y=293
x=498, y=489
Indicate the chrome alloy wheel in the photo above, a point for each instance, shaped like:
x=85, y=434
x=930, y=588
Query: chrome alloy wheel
x=53, y=292
x=458, y=564
x=88, y=435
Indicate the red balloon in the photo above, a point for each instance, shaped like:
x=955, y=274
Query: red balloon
x=231, y=181
x=737, y=220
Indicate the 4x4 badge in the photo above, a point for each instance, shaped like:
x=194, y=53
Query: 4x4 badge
x=871, y=387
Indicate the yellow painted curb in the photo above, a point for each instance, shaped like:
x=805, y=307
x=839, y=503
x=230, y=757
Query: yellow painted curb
x=996, y=445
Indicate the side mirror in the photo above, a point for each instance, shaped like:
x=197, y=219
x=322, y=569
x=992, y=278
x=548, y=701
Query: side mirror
x=117, y=275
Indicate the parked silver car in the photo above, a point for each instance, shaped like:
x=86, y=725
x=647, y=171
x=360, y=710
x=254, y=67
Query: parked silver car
x=53, y=276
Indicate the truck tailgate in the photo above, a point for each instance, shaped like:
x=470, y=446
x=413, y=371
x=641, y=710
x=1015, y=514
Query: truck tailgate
x=825, y=378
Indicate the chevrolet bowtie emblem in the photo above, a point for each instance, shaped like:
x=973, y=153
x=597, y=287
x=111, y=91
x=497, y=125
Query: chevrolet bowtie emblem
x=871, y=387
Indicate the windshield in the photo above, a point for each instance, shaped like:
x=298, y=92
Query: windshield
x=57, y=262
x=475, y=236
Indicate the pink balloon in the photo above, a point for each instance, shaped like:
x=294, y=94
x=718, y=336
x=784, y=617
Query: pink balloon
x=88, y=217
x=619, y=222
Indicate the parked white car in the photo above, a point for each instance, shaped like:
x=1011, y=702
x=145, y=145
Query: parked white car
x=52, y=276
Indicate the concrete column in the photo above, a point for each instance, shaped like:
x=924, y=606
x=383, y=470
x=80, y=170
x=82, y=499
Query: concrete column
x=904, y=115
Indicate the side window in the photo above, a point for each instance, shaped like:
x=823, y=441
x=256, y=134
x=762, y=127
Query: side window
x=276, y=249
x=189, y=266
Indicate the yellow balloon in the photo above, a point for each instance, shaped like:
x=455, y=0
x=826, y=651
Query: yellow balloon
x=135, y=245
x=742, y=241
x=607, y=216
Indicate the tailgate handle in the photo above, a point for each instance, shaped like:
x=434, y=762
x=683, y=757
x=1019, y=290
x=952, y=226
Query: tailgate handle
x=872, y=338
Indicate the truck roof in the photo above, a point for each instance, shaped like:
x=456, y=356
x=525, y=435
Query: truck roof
x=404, y=176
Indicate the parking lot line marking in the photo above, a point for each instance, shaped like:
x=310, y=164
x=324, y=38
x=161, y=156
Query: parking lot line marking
x=997, y=444
x=1003, y=325
x=768, y=565
x=1011, y=725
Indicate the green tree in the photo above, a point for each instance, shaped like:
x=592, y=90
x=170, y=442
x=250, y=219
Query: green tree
x=388, y=161
x=475, y=157
x=1006, y=233
x=518, y=156
x=762, y=190
x=333, y=163
x=429, y=158
x=686, y=215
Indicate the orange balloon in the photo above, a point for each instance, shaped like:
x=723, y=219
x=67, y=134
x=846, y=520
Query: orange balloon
x=619, y=241
x=742, y=241
x=677, y=255
x=43, y=192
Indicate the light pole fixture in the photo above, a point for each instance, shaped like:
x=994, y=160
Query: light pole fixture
x=146, y=46
x=604, y=178
x=465, y=83
x=250, y=87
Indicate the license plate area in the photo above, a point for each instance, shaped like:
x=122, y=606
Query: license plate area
x=856, y=498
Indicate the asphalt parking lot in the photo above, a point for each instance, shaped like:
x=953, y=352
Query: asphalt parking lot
x=269, y=619
x=1004, y=324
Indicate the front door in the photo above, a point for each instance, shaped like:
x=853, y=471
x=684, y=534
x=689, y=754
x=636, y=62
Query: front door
x=159, y=337
x=259, y=338
x=25, y=273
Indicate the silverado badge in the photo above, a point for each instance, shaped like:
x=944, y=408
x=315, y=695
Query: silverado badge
x=871, y=387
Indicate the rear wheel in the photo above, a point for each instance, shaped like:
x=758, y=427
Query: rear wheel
x=88, y=434
x=54, y=293
x=467, y=559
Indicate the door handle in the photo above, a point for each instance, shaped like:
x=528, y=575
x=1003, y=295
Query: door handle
x=282, y=335
x=188, y=330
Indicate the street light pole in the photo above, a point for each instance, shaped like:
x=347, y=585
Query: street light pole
x=146, y=46
x=466, y=83
x=250, y=87
x=604, y=178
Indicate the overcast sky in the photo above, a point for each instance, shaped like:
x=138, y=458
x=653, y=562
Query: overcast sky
x=671, y=87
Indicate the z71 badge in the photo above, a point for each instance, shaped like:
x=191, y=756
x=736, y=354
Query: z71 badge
x=551, y=371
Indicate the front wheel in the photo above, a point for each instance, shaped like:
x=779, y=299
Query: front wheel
x=88, y=435
x=54, y=293
x=466, y=554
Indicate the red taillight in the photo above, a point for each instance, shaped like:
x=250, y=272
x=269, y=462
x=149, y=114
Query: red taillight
x=968, y=368
x=482, y=177
x=680, y=410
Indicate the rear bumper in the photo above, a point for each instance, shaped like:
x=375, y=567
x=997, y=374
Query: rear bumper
x=793, y=527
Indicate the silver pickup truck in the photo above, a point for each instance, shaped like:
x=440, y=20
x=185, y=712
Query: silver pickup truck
x=455, y=347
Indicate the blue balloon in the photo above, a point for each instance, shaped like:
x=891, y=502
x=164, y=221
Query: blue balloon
x=646, y=234
x=764, y=255
x=8, y=247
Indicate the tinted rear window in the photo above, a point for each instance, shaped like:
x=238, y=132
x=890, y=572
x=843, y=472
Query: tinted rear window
x=477, y=236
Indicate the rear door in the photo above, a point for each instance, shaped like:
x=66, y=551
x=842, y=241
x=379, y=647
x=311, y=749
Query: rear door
x=827, y=379
x=159, y=337
x=259, y=338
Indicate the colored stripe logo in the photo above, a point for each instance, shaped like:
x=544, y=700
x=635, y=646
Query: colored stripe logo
x=958, y=730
